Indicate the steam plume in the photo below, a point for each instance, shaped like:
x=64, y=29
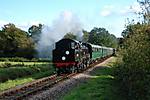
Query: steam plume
x=65, y=23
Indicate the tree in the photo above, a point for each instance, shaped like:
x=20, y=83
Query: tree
x=133, y=71
x=15, y=42
x=101, y=36
x=70, y=36
x=85, y=36
x=35, y=32
x=145, y=5
x=120, y=42
x=113, y=41
x=127, y=31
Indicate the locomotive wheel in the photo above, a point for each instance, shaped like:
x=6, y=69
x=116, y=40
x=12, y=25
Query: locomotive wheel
x=58, y=71
x=67, y=70
x=70, y=69
x=87, y=64
x=82, y=66
x=78, y=68
x=73, y=69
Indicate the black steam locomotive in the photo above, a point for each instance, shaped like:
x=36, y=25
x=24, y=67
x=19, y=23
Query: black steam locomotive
x=71, y=55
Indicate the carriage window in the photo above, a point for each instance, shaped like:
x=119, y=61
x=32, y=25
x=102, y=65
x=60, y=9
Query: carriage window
x=72, y=45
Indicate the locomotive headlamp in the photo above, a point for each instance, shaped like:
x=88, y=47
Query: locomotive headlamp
x=67, y=52
x=63, y=58
x=77, y=55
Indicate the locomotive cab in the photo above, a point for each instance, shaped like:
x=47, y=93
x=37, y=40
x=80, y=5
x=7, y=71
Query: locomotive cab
x=65, y=50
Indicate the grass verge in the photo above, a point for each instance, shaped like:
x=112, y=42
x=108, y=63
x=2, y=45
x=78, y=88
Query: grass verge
x=6, y=64
x=13, y=73
x=12, y=83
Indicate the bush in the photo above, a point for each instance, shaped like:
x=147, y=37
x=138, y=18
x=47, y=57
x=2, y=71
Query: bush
x=133, y=72
x=14, y=59
x=6, y=64
x=17, y=72
x=21, y=59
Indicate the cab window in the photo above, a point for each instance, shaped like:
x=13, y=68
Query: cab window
x=72, y=45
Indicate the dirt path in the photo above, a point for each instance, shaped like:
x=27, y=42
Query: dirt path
x=105, y=62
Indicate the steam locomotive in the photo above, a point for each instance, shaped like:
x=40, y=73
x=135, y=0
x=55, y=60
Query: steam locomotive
x=73, y=56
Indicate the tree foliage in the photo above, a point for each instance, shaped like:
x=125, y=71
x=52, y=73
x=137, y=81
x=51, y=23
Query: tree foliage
x=35, y=32
x=15, y=42
x=70, y=36
x=145, y=5
x=85, y=36
x=101, y=36
x=133, y=71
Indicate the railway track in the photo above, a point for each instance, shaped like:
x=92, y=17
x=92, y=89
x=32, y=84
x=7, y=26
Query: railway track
x=32, y=88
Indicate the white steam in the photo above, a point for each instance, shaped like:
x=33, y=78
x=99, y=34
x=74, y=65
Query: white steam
x=66, y=22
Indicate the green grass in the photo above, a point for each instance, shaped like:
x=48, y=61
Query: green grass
x=12, y=83
x=100, y=87
x=12, y=73
x=25, y=63
x=5, y=64
x=16, y=73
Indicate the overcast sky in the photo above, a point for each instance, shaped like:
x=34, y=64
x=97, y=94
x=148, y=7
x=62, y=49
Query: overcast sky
x=110, y=14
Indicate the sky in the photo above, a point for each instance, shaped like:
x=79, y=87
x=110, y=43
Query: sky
x=109, y=14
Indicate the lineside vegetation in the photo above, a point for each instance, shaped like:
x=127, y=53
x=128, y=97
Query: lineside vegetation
x=16, y=75
x=133, y=70
x=132, y=73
